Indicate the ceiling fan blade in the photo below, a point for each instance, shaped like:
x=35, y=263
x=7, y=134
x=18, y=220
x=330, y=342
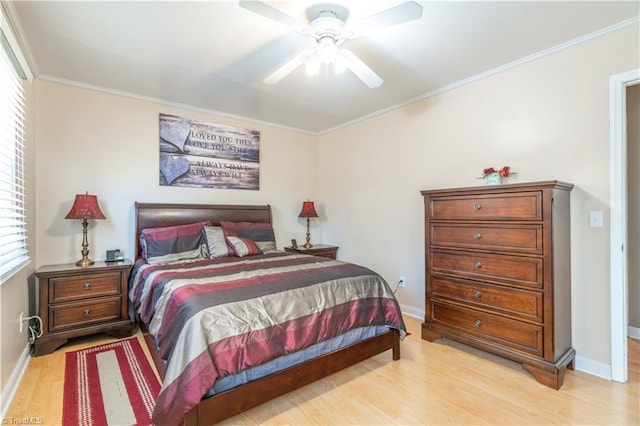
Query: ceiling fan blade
x=360, y=69
x=287, y=68
x=268, y=11
x=400, y=14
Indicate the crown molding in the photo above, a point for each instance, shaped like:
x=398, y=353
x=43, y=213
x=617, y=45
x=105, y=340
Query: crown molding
x=169, y=103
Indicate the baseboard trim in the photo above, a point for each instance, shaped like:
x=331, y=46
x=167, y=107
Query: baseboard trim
x=633, y=332
x=412, y=312
x=592, y=367
x=11, y=387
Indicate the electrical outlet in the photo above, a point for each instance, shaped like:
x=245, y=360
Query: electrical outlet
x=401, y=281
x=20, y=320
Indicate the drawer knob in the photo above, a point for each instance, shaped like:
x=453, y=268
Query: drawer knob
x=477, y=206
x=477, y=265
x=478, y=323
x=87, y=286
x=477, y=294
x=87, y=312
x=477, y=235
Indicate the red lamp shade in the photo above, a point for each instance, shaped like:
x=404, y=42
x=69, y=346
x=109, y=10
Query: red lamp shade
x=85, y=206
x=308, y=210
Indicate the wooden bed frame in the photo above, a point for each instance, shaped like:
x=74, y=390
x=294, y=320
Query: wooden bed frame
x=236, y=400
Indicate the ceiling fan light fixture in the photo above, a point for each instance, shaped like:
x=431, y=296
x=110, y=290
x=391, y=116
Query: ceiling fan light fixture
x=327, y=50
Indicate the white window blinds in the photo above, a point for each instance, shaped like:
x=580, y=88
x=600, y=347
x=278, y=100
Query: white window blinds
x=13, y=230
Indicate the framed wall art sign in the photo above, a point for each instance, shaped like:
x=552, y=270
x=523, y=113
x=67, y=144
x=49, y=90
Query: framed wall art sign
x=205, y=155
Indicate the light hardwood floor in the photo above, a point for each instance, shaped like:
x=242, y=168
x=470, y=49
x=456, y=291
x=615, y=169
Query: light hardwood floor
x=433, y=383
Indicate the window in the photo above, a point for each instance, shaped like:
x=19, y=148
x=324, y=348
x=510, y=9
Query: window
x=13, y=227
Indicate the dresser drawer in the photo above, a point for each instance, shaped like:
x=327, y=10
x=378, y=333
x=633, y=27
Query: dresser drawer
x=493, y=268
x=504, y=206
x=508, y=301
x=82, y=314
x=514, y=238
x=81, y=287
x=492, y=328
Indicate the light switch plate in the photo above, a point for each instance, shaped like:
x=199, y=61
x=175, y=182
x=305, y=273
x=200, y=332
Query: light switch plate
x=595, y=219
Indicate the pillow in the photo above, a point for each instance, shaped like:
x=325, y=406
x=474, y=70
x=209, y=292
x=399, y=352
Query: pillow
x=216, y=242
x=261, y=233
x=173, y=243
x=243, y=246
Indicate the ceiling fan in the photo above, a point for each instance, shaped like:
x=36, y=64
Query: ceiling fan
x=328, y=30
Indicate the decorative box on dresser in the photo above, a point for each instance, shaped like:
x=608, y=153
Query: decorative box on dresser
x=498, y=273
x=77, y=301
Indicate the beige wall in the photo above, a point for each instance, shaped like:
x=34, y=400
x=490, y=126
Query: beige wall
x=14, y=293
x=108, y=145
x=547, y=119
x=633, y=202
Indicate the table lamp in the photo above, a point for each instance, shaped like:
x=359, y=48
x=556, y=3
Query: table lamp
x=308, y=211
x=85, y=207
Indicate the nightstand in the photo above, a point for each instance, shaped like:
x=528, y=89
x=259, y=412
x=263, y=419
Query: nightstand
x=77, y=301
x=316, y=250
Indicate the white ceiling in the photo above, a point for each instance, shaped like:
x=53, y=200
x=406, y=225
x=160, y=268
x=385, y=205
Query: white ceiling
x=214, y=55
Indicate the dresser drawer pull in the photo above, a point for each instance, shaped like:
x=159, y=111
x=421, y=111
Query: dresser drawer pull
x=477, y=235
x=477, y=265
x=478, y=323
x=477, y=206
x=477, y=294
x=87, y=286
x=87, y=312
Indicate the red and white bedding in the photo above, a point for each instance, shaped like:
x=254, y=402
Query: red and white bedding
x=216, y=317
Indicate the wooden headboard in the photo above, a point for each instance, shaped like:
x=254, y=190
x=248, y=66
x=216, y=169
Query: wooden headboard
x=154, y=215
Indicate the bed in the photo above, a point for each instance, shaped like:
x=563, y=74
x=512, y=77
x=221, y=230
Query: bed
x=291, y=369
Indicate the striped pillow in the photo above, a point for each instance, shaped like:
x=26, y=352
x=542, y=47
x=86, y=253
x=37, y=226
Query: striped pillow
x=173, y=243
x=243, y=246
x=261, y=233
x=216, y=243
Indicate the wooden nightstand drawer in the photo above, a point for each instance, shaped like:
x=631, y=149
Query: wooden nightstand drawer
x=90, y=285
x=506, y=332
x=513, y=238
x=507, y=301
x=507, y=206
x=62, y=317
x=497, y=269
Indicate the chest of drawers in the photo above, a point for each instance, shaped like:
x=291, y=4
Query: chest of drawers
x=77, y=301
x=498, y=273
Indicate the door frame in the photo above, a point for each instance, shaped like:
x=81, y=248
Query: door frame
x=618, y=221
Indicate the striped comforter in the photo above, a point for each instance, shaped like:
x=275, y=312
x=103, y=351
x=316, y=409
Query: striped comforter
x=212, y=318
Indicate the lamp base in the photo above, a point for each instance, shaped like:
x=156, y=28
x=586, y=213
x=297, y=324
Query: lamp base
x=83, y=263
x=308, y=244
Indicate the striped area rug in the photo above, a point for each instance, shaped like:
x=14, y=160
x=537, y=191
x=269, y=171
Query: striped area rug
x=111, y=384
